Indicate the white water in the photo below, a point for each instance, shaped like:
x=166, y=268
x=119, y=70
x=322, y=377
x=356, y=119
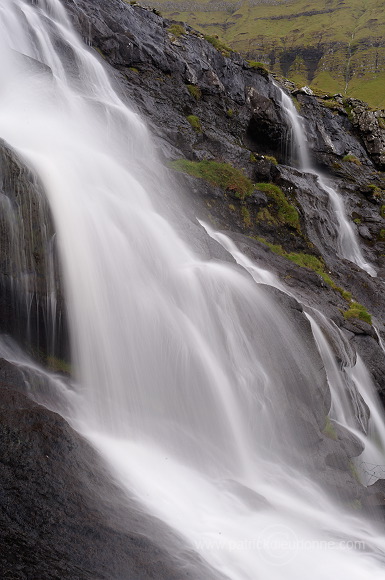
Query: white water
x=187, y=368
x=347, y=243
x=354, y=401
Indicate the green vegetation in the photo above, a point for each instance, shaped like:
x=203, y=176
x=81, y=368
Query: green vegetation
x=357, y=310
x=100, y=52
x=133, y=69
x=351, y=159
x=58, y=365
x=356, y=504
x=332, y=104
x=382, y=211
x=287, y=213
x=177, y=30
x=345, y=35
x=246, y=217
x=357, y=221
x=354, y=472
x=195, y=123
x=218, y=44
x=222, y=175
x=376, y=191
x=264, y=215
x=194, y=91
x=259, y=66
x=296, y=103
x=349, y=111
x=307, y=261
x=230, y=113
x=304, y=260
x=271, y=159
x=381, y=235
x=329, y=430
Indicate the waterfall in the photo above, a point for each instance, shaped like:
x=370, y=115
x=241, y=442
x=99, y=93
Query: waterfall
x=192, y=378
x=347, y=243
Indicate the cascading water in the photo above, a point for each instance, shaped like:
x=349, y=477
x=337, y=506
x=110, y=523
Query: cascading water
x=347, y=244
x=192, y=378
x=354, y=402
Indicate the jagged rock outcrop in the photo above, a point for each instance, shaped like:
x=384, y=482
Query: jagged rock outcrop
x=333, y=45
x=371, y=127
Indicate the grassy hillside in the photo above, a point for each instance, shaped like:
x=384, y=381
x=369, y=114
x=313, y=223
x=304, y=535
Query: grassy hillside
x=332, y=45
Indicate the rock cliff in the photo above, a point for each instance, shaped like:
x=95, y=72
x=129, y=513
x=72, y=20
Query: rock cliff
x=334, y=46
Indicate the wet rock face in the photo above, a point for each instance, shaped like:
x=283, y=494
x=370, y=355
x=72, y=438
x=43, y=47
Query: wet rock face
x=61, y=516
x=329, y=131
x=236, y=103
x=29, y=269
x=371, y=127
x=344, y=126
x=267, y=128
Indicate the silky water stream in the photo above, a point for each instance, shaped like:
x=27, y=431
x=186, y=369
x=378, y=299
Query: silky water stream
x=347, y=245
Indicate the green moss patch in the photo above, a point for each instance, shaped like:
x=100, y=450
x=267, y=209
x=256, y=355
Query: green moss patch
x=332, y=104
x=58, y=365
x=221, y=175
x=194, y=91
x=195, y=123
x=329, y=430
x=376, y=191
x=259, y=66
x=176, y=30
x=218, y=44
x=310, y=262
x=286, y=212
x=246, y=217
x=357, y=310
x=351, y=159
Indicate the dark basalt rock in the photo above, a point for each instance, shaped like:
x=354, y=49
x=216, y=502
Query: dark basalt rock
x=156, y=69
x=267, y=128
x=27, y=258
x=329, y=132
x=371, y=127
x=61, y=515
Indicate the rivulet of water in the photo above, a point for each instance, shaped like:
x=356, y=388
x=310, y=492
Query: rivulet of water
x=347, y=243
